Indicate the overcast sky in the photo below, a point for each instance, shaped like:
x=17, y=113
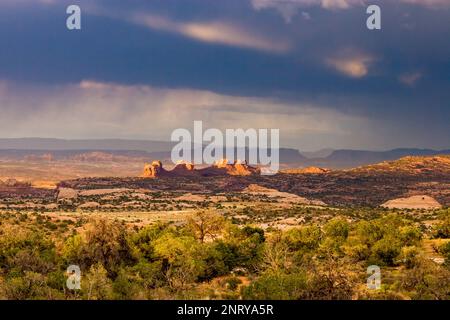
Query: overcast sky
x=141, y=68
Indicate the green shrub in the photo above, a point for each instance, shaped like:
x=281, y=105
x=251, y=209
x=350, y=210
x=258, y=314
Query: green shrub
x=385, y=252
x=442, y=229
x=276, y=287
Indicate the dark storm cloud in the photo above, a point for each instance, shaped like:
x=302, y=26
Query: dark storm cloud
x=303, y=52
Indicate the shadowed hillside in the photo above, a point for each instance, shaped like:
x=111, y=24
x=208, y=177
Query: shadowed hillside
x=370, y=185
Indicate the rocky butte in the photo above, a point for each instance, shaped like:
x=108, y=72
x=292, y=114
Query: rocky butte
x=182, y=169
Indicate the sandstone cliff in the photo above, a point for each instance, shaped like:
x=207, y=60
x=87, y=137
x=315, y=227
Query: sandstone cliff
x=220, y=168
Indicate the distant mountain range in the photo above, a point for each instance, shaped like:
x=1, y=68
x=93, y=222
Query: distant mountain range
x=322, y=153
x=50, y=144
x=147, y=150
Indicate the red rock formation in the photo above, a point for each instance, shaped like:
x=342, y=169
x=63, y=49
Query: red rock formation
x=309, y=170
x=153, y=170
x=183, y=169
x=241, y=168
x=221, y=168
x=224, y=167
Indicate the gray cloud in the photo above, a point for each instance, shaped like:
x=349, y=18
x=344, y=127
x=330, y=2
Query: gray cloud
x=326, y=80
x=95, y=110
x=213, y=32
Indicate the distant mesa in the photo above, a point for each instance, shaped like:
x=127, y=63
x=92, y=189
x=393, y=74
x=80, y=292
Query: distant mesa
x=309, y=170
x=39, y=157
x=414, y=202
x=183, y=168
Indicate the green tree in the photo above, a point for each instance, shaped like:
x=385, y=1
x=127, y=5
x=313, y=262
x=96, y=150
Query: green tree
x=96, y=285
x=182, y=258
x=105, y=242
x=206, y=225
x=24, y=250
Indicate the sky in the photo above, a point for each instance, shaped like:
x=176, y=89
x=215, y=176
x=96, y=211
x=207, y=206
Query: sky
x=139, y=69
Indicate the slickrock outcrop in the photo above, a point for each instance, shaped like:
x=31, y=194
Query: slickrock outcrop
x=414, y=202
x=66, y=193
x=254, y=189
